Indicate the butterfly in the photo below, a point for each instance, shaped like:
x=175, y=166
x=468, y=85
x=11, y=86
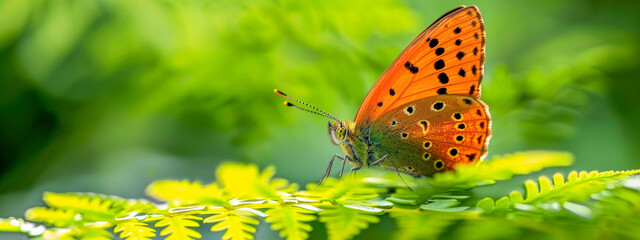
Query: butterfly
x=424, y=114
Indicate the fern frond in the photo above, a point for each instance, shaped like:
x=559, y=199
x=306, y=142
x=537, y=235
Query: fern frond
x=134, y=230
x=11, y=224
x=238, y=223
x=619, y=208
x=577, y=187
x=93, y=207
x=494, y=228
x=55, y=217
x=18, y=225
x=290, y=221
x=468, y=176
x=334, y=190
x=499, y=168
x=443, y=205
x=185, y=192
x=435, y=207
x=178, y=227
x=252, y=184
x=422, y=225
x=345, y=223
x=94, y=234
x=557, y=193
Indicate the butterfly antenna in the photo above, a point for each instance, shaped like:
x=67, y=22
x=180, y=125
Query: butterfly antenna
x=288, y=104
x=317, y=110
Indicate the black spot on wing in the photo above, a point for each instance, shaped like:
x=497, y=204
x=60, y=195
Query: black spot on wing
x=439, y=164
x=444, y=79
x=438, y=105
x=438, y=64
x=433, y=43
x=442, y=91
x=409, y=66
x=471, y=157
x=453, y=152
x=462, y=73
x=409, y=110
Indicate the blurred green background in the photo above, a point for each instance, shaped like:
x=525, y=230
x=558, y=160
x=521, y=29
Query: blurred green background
x=108, y=95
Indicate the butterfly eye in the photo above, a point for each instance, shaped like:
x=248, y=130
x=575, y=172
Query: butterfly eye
x=341, y=133
x=338, y=134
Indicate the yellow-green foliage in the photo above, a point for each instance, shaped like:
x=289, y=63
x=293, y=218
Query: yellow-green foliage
x=243, y=195
x=134, y=230
x=238, y=223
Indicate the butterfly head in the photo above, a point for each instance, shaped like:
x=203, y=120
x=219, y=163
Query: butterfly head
x=338, y=132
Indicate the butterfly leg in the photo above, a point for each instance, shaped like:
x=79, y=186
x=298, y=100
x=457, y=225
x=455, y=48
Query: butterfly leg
x=386, y=157
x=344, y=161
x=352, y=173
x=328, y=171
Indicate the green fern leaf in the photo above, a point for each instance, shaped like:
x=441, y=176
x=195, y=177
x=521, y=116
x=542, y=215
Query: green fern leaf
x=178, y=227
x=185, y=192
x=55, y=217
x=577, y=187
x=493, y=228
x=92, y=207
x=291, y=221
x=499, y=168
x=134, y=230
x=94, y=234
x=238, y=223
x=620, y=208
x=423, y=225
x=11, y=224
x=552, y=195
x=252, y=184
x=345, y=223
x=352, y=190
x=443, y=205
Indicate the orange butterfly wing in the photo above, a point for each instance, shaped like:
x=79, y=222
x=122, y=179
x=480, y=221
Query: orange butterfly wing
x=446, y=58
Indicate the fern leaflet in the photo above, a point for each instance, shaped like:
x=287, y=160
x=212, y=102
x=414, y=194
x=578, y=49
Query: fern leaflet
x=238, y=223
x=178, y=227
x=345, y=223
x=134, y=230
x=291, y=221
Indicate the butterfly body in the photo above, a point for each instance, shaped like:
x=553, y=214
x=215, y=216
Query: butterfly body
x=424, y=114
